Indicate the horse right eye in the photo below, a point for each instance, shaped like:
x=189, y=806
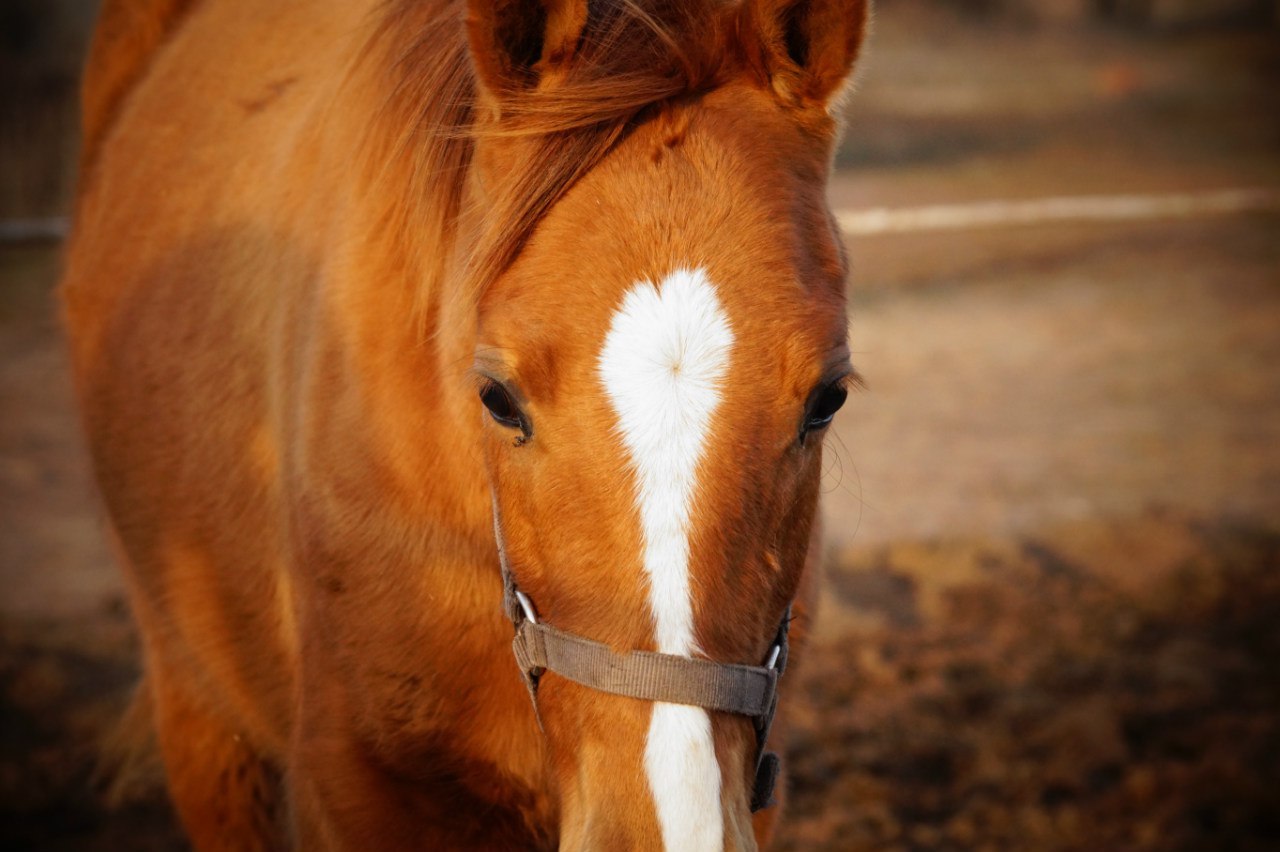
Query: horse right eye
x=503, y=408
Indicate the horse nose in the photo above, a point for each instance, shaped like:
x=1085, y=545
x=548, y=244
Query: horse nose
x=651, y=775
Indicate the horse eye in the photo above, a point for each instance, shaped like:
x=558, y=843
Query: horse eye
x=502, y=407
x=826, y=402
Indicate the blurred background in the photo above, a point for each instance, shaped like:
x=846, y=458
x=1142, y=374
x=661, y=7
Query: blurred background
x=1051, y=618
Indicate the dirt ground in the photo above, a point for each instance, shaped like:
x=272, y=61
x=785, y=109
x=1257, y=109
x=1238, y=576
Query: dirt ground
x=1051, y=615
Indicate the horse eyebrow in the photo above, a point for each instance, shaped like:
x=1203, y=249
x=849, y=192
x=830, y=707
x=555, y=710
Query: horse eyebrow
x=487, y=358
x=489, y=366
x=838, y=366
x=486, y=366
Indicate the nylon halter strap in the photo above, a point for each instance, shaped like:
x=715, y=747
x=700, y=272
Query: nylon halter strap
x=750, y=691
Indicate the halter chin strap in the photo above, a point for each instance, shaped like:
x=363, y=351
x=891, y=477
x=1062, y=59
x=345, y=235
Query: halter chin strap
x=728, y=687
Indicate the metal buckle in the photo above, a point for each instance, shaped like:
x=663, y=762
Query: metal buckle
x=773, y=654
x=527, y=606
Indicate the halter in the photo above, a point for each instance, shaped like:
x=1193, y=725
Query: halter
x=750, y=691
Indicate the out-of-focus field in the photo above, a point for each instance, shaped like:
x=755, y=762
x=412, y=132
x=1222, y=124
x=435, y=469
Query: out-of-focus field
x=1051, y=617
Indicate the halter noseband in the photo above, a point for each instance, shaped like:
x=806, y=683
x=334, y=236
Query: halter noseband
x=750, y=691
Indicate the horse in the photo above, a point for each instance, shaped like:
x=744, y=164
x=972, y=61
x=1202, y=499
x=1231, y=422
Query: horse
x=404, y=329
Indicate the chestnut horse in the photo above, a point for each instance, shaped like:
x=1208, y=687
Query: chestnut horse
x=350, y=282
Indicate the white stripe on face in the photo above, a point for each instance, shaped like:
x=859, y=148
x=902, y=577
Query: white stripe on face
x=664, y=357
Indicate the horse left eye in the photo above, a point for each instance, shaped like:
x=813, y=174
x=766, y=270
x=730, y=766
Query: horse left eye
x=824, y=405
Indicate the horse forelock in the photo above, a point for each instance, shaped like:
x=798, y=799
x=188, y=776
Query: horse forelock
x=632, y=59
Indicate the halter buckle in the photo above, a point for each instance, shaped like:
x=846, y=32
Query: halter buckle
x=527, y=606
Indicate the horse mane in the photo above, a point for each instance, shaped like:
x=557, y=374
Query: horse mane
x=633, y=56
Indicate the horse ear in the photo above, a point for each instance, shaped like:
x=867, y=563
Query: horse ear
x=516, y=43
x=805, y=48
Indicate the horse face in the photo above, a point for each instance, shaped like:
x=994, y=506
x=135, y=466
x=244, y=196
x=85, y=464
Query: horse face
x=656, y=369
x=655, y=374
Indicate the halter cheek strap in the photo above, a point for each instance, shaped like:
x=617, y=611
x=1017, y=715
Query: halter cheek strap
x=750, y=691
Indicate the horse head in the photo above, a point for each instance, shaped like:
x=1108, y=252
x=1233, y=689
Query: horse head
x=657, y=360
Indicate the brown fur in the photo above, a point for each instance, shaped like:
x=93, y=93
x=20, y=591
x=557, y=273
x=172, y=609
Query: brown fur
x=309, y=225
x=128, y=33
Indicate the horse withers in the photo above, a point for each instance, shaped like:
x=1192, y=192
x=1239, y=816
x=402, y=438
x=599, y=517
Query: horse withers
x=385, y=313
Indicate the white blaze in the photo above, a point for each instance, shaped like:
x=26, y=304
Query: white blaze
x=665, y=355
